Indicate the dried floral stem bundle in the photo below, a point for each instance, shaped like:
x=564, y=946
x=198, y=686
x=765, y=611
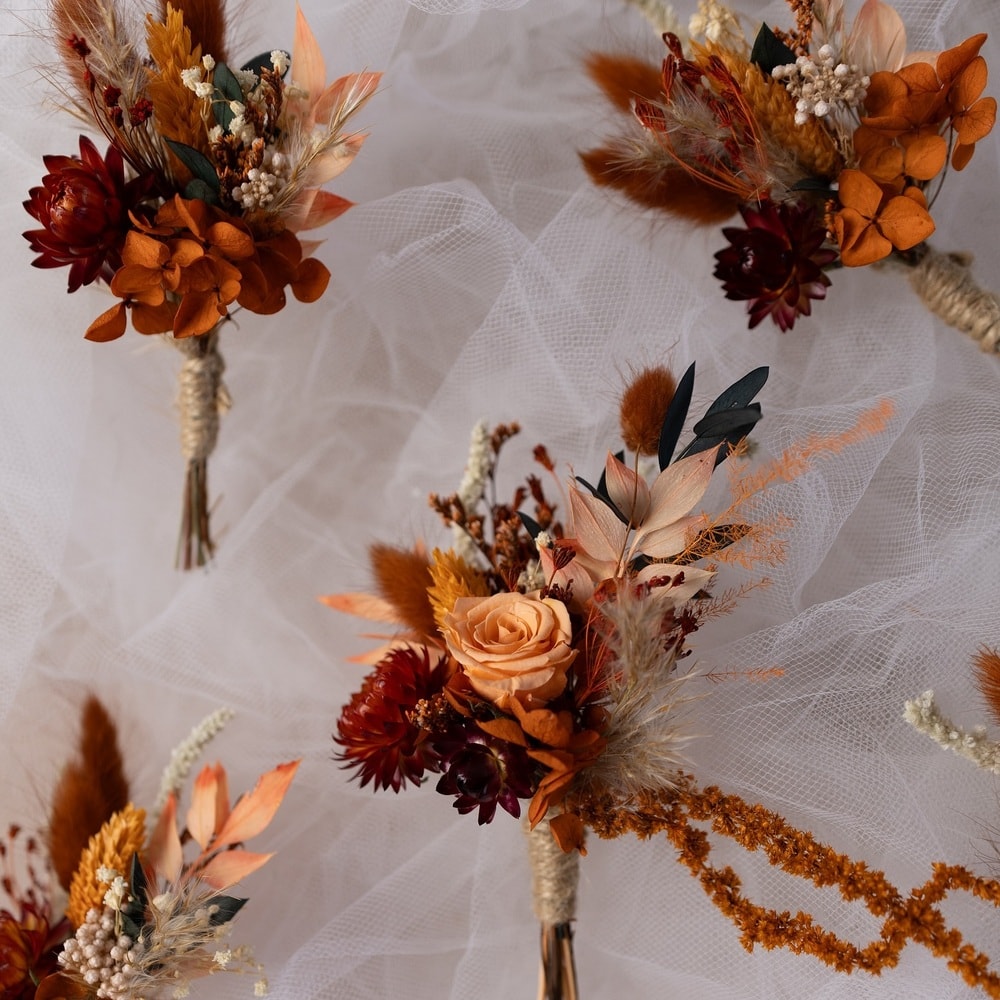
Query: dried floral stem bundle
x=194, y=211
x=832, y=144
x=555, y=876
x=905, y=918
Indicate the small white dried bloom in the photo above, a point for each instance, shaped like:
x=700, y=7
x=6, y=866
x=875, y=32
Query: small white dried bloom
x=183, y=757
x=191, y=78
x=208, y=62
x=117, y=893
x=543, y=540
x=717, y=24
x=107, y=875
x=924, y=715
x=204, y=90
x=238, y=108
x=473, y=485
x=279, y=61
x=660, y=15
x=260, y=988
x=822, y=85
x=246, y=78
x=215, y=133
x=223, y=958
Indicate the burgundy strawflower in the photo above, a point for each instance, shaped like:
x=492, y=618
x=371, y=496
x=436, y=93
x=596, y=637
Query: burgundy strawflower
x=83, y=206
x=483, y=772
x=777, y=262
x=375, y=728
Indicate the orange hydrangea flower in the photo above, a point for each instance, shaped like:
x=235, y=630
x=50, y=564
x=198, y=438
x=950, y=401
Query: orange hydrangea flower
x=876, y=219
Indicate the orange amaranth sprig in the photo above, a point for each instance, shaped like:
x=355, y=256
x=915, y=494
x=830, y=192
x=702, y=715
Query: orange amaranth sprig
x=915, y=917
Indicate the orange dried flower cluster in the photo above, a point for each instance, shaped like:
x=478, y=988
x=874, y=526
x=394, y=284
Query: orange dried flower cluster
x=901, y=145
x=182, y=272
x=905, y=918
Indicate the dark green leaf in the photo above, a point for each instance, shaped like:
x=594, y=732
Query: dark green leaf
x=769, y=52
x=531, y=526
x=673, y=422
x=741, y=391
x=138, y=886
x=226, y=84
x=812, y=184
x=130, y=927
x=228, y=906
x=198, y=189
x=197, y=163
x=731, y=417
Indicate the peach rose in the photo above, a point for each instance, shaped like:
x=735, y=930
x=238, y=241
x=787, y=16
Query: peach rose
x=512, y=645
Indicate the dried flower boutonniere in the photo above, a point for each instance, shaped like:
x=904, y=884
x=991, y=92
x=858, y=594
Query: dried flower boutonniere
x=544, y=660
x=832, y=144
x=193, y=212
x=146, y=912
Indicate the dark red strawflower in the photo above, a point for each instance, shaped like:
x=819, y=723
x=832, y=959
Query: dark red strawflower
x=83, y=206
x=484, y=772
x=375, y=728
x=777, y=262
x=29, y=949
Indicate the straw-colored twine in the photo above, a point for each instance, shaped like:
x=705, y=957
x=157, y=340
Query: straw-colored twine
x=554, y=877
x=944, y=282
x=202, y=396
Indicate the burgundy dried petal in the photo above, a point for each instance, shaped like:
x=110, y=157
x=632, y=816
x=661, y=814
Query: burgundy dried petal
x=776, y=263
x=483, y=772
x=83, y=206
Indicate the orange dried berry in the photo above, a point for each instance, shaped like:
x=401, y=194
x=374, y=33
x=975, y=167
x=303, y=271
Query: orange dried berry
x=643, y=407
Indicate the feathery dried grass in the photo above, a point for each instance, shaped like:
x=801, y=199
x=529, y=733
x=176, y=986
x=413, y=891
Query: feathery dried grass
x=402, y=577
x=90, y=789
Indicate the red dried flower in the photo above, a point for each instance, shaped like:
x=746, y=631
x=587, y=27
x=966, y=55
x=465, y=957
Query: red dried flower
x=83, y=206
x=375, y=728
x=29, y=947
x=482, y=772
x=777, y=262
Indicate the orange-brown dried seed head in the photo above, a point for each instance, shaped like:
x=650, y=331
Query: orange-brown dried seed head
x=643, y=407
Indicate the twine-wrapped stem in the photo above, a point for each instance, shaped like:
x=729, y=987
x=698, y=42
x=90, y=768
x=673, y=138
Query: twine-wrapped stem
x=945, y=284
x=202, y=398
x=555, y=875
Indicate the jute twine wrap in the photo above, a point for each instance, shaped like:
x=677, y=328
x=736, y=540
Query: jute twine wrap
x=946, y=285
x=202, y=395
x=554, y=877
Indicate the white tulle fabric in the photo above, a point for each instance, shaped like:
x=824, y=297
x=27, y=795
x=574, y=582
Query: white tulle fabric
x=482, y=276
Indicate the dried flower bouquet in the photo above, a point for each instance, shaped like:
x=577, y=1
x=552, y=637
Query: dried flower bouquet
x=543, y=661
x=146, y=913
x=194, y=211
x=831, y=143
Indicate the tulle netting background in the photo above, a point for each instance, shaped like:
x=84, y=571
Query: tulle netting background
x=482, y=276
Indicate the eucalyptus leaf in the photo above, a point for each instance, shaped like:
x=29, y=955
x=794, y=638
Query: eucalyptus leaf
x=673, y=422
x=226, y=83
x=197, y=163
x=768, y=51
x=741, y=391
x=198, y=189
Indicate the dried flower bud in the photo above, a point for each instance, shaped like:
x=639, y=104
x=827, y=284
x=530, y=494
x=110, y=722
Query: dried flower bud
x=643, y=408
